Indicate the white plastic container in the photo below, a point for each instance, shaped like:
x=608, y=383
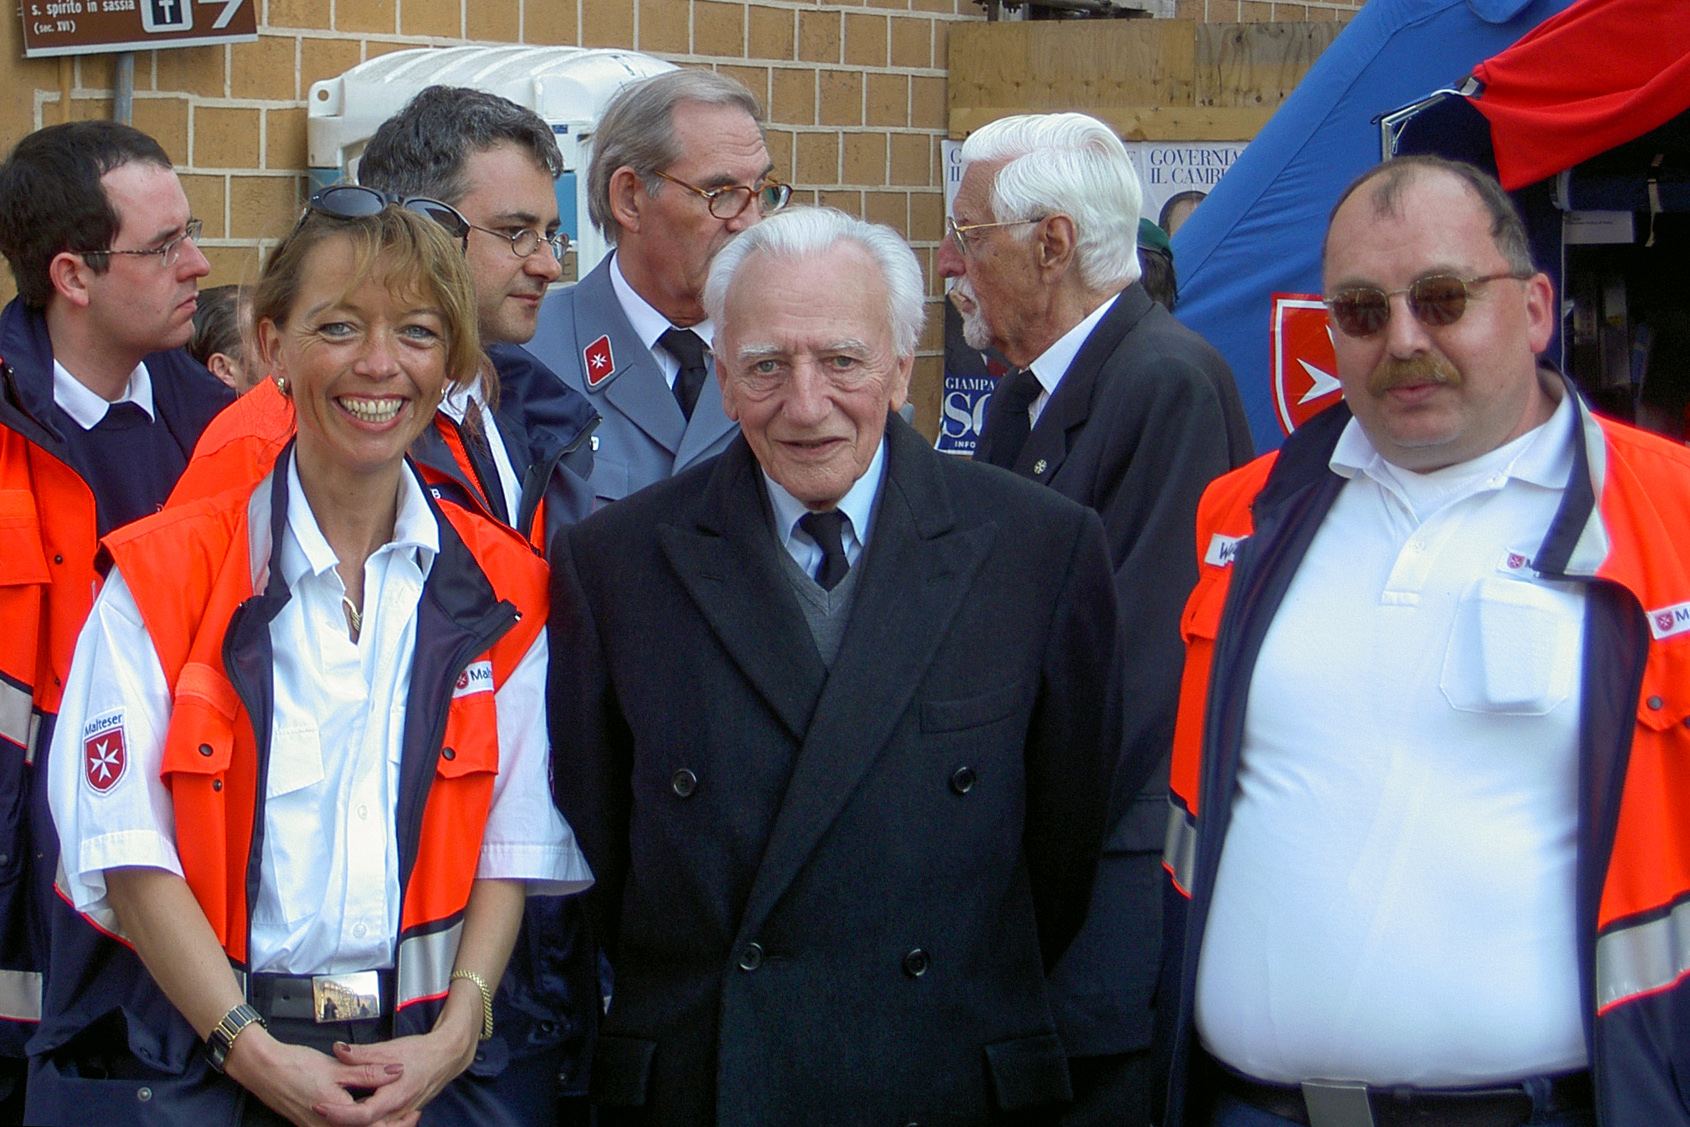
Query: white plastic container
x=567, y=86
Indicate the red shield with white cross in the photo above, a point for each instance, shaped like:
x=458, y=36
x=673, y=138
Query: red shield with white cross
x=104, y=759
x=597, y=361
x=1305, y=370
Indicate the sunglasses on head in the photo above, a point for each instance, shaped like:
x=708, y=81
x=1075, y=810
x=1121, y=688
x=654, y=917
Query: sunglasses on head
x=1435, y=301
x=354, y=201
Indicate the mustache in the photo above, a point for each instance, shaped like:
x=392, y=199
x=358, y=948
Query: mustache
x=1393, y=372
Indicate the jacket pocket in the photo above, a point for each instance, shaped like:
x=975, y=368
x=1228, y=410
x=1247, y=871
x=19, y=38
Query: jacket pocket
x=622, y=1071
x=24, y=561
x=1028, y=1071
x=970, y=712
x=609, y=481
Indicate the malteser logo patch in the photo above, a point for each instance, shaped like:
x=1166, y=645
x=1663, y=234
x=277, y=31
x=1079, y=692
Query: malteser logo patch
x=104, y=757
x=478, y=678
x=1221, y=550
x=599, y=361
x=1514, y=561
x=1669, y=622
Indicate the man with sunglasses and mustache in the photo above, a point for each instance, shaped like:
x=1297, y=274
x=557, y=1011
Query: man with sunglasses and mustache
x=99, y=410
x=679, y=169
x=1429, y=848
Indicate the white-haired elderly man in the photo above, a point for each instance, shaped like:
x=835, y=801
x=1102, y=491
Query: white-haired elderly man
x=834, y=717
x=1116, y=405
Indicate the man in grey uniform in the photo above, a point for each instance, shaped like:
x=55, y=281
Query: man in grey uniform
x=679, y=168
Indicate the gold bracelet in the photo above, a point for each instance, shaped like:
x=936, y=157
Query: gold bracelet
x=486, y=999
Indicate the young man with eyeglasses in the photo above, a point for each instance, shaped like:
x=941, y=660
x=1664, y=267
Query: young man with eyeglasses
x=1115, y=405
x=99, y=412
x=679, y=169
x=1430, y=834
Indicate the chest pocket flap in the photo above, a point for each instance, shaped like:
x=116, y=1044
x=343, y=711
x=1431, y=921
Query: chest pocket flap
x=471, y=743
x=23, y=561
x=1665, y=697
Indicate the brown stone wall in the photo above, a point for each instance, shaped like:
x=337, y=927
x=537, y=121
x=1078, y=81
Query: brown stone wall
x=856, y=95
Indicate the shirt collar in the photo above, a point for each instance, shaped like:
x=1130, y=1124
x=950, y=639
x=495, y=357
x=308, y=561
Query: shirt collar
x=648, y=324
x=1053, y=363
x=857, y=504
x=1542, y=456
x=307, y=551
x=86, y=408
x=458, y=398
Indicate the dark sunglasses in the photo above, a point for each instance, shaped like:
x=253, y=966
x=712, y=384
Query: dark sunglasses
x=354, y=201
x=1435, y=301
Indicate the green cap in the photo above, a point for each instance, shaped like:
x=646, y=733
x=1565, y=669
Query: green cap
x=1152, y=236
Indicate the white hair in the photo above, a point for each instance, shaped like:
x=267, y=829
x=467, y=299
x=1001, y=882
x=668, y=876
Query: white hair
x=800, y=232
x=1071, y=164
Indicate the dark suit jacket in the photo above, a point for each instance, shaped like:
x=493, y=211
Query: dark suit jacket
x=832, y=897
x=1146, y=416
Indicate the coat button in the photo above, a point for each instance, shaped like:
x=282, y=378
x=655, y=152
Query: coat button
x=962, y=780
x=61, y=559
x=917, y=962
x=1655, y=703
x=217, y=784
x=448, y=754
x=750, y=956
x=683, y=782
x=143, y=1094
x=205, y=749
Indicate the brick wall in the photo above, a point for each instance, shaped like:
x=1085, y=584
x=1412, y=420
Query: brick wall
x=855, y=92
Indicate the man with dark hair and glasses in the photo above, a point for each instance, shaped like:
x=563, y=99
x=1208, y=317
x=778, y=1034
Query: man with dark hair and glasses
x=1430, y=837
x=679, y=168
x=494, y=163
x=99, y=411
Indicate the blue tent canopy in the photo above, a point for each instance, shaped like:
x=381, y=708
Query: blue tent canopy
x=1259, y=231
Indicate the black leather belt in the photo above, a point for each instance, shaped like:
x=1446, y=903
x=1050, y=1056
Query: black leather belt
x=322, y=998
x=1501, y=1106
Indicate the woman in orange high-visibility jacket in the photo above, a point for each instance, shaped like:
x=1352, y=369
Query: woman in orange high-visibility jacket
x=303, y=783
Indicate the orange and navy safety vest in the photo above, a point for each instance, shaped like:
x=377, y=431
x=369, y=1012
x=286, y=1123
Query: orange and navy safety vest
x=484, y=603
x=1623, y=530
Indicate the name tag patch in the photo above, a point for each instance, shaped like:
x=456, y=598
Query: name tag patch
x=104, y=756
x=1221, y=550
x=478, y=678
x=1670, y=621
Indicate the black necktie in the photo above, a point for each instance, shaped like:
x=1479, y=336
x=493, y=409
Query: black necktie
x=1011, y=424
x=687, y=347
x=826, y=529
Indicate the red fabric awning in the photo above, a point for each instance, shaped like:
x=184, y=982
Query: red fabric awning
x=1597, y=75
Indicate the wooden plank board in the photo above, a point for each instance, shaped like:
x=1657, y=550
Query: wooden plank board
x=1142, y=123
x=1072, y=64
x=1256, y=64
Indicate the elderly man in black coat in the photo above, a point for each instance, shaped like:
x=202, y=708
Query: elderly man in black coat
x=1118, y=406
x=834, y=718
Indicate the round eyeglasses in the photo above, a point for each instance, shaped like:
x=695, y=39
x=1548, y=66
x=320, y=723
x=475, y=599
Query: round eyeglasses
x=525, y=241
x=168, y=251
x=730, y=202
x=354, y=201
x=1435, y=300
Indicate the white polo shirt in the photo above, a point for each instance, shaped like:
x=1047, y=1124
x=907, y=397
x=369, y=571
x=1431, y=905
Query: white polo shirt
x=1395, y=899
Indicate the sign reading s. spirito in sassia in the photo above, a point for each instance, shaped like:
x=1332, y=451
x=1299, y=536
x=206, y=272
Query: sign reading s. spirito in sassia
x=88, y=27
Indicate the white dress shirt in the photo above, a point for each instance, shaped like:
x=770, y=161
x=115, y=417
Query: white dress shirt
x=456, y=405
x=649, y=324
x=87, y=408
x=1395, y=902
x=328, y=898
x=1053, y=363
x=857, y=505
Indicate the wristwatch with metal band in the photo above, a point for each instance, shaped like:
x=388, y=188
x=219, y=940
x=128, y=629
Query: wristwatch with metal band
x=222, y=1036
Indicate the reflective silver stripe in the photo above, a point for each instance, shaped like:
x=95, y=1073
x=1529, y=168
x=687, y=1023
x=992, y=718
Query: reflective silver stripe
x=1643, y=958
x=17, y=715
x=20, y=995
x=425, y=964
x=1179, y=851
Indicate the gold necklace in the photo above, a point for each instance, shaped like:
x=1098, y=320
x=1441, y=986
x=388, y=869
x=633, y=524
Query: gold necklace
x=353, y=616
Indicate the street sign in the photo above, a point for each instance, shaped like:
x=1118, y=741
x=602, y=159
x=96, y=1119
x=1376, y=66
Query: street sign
x=97, y=27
